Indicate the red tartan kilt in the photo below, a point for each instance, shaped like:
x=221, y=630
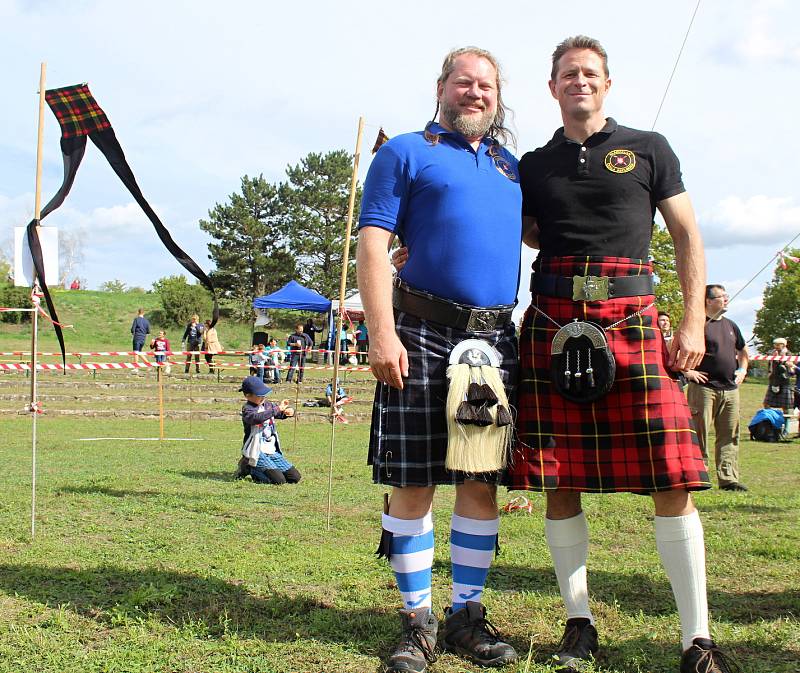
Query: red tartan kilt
x=639, y=437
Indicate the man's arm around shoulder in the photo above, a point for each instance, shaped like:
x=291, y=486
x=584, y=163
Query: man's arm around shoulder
x=387, y=356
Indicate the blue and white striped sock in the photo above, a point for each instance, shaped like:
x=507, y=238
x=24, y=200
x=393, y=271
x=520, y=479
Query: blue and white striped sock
x=472, y=545
x=412, y=558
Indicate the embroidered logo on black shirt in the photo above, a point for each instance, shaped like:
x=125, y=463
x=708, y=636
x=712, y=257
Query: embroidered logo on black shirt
x=620, y=161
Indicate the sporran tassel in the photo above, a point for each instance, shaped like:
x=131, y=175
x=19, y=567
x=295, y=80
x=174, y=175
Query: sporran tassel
x=503, y=416
x=488, y=395
x=475, y=393
x=481, y=444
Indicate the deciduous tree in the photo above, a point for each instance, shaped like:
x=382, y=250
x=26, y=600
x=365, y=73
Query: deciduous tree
x=779, y=315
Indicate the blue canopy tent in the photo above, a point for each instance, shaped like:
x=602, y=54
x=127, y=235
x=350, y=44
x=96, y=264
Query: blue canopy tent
x=294, y=296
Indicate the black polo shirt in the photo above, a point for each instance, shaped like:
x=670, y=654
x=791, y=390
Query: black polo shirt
x=723, y=340
x=599, y=197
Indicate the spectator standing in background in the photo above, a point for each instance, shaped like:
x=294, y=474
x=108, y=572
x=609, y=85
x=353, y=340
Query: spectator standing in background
x=140, y=328
x=211, y=345
x=780, y=392
x=192, y=340
x=714, y=388
x=298, y=344
x=362, y=341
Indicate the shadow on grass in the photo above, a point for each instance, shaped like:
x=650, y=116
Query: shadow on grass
x=635, y=592
x=742, y=508
x=113, y=492
x=115, y=596
x=213, y=476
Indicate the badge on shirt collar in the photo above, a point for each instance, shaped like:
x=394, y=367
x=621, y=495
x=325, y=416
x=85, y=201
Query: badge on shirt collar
x=502, y=164
x=620, y=161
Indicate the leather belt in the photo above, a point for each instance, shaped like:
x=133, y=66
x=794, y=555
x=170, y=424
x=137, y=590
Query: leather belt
x=458, y=316
x=590, y=288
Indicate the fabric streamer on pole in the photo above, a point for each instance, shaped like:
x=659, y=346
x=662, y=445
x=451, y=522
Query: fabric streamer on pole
x=79, y=116
x=34, y=407
x=342, y=288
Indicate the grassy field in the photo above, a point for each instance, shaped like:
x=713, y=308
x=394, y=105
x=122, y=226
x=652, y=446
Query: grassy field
x=150, y=558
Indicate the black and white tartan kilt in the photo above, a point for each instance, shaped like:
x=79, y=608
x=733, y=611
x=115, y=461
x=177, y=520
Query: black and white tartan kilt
x=783, y=399
x=408, y=438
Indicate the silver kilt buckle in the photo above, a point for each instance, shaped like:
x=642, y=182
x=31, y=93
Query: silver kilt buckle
x=482, y=320
x=589, y=288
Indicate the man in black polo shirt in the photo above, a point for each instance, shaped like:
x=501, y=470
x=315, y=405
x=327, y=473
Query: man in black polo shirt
x=589, y=198
x=714, y=388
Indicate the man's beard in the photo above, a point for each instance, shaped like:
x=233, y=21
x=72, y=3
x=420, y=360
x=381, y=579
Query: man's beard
x=468, y=125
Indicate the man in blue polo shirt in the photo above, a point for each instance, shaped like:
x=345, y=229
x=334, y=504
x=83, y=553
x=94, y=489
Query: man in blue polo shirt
x=451, y=194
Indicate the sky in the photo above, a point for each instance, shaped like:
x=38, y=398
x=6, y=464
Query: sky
x=201, y=93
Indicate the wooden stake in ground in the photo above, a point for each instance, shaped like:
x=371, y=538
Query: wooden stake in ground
x=297, y=400
x=342, y=288
x=34, y=404
x=160, y=377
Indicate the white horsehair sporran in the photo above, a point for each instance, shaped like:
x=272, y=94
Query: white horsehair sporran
x=479, y=424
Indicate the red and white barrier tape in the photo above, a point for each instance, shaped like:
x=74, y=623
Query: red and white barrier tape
x=781, y=358
x=24, y=366
x=153, y=353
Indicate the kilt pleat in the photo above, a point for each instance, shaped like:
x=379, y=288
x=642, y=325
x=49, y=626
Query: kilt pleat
x=639, y=437
x=408, y=437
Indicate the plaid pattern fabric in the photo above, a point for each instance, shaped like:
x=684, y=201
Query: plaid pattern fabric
x=408, y=439
x=783, y=399
x=76, y=110
x=639, y=437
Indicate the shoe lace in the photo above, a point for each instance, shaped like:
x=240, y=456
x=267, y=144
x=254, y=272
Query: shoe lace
x=415, y=640
x=713, y=660
x=485, y=631
x=569, y=639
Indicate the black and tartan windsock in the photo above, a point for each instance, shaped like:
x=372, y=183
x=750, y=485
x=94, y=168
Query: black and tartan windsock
x=79, y=116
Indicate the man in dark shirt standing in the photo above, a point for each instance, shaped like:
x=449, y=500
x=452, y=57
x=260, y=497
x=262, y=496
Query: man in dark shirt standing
x=140, y=328
x=588, y=202
x=714, y=388
x=298, y=344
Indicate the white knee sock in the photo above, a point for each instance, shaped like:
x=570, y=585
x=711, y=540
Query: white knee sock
x=680, y=544
x=569, y=546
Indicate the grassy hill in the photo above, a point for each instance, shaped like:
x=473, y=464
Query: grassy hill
x=102, y=321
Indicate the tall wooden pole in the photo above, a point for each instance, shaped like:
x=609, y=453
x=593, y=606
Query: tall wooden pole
x=34, y=405
x=342, y=288
x=160, y=376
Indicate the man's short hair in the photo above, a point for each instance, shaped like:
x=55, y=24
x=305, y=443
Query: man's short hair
x=660, y=313
x=711, y=288
x=497, y=130
x=578, y=42
x=141, y=311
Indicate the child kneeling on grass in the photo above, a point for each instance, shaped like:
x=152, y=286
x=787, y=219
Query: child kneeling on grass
x=261, y=457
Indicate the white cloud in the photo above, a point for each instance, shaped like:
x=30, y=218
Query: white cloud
x=759, y=220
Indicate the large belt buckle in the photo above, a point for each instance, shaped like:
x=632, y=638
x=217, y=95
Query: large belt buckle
x=482, y=320
x=589, y=288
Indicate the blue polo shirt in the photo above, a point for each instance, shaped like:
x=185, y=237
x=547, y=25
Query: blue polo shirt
x=457, y=210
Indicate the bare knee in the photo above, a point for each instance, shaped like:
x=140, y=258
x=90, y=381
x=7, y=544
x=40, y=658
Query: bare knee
x=411, y=502
x=476, y=500
x=563, y=504
x=673, y=503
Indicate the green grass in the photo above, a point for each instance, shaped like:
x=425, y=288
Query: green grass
x=150, y=558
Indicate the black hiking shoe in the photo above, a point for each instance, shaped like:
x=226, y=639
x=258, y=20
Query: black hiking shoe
x=416, y=647
x=705, y=657
x=468, y=633
x=577, y=647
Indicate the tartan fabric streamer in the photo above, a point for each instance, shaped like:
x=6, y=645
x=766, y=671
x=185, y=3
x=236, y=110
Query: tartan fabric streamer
x=639, y=437
x=80, y=116
x=76, y=110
